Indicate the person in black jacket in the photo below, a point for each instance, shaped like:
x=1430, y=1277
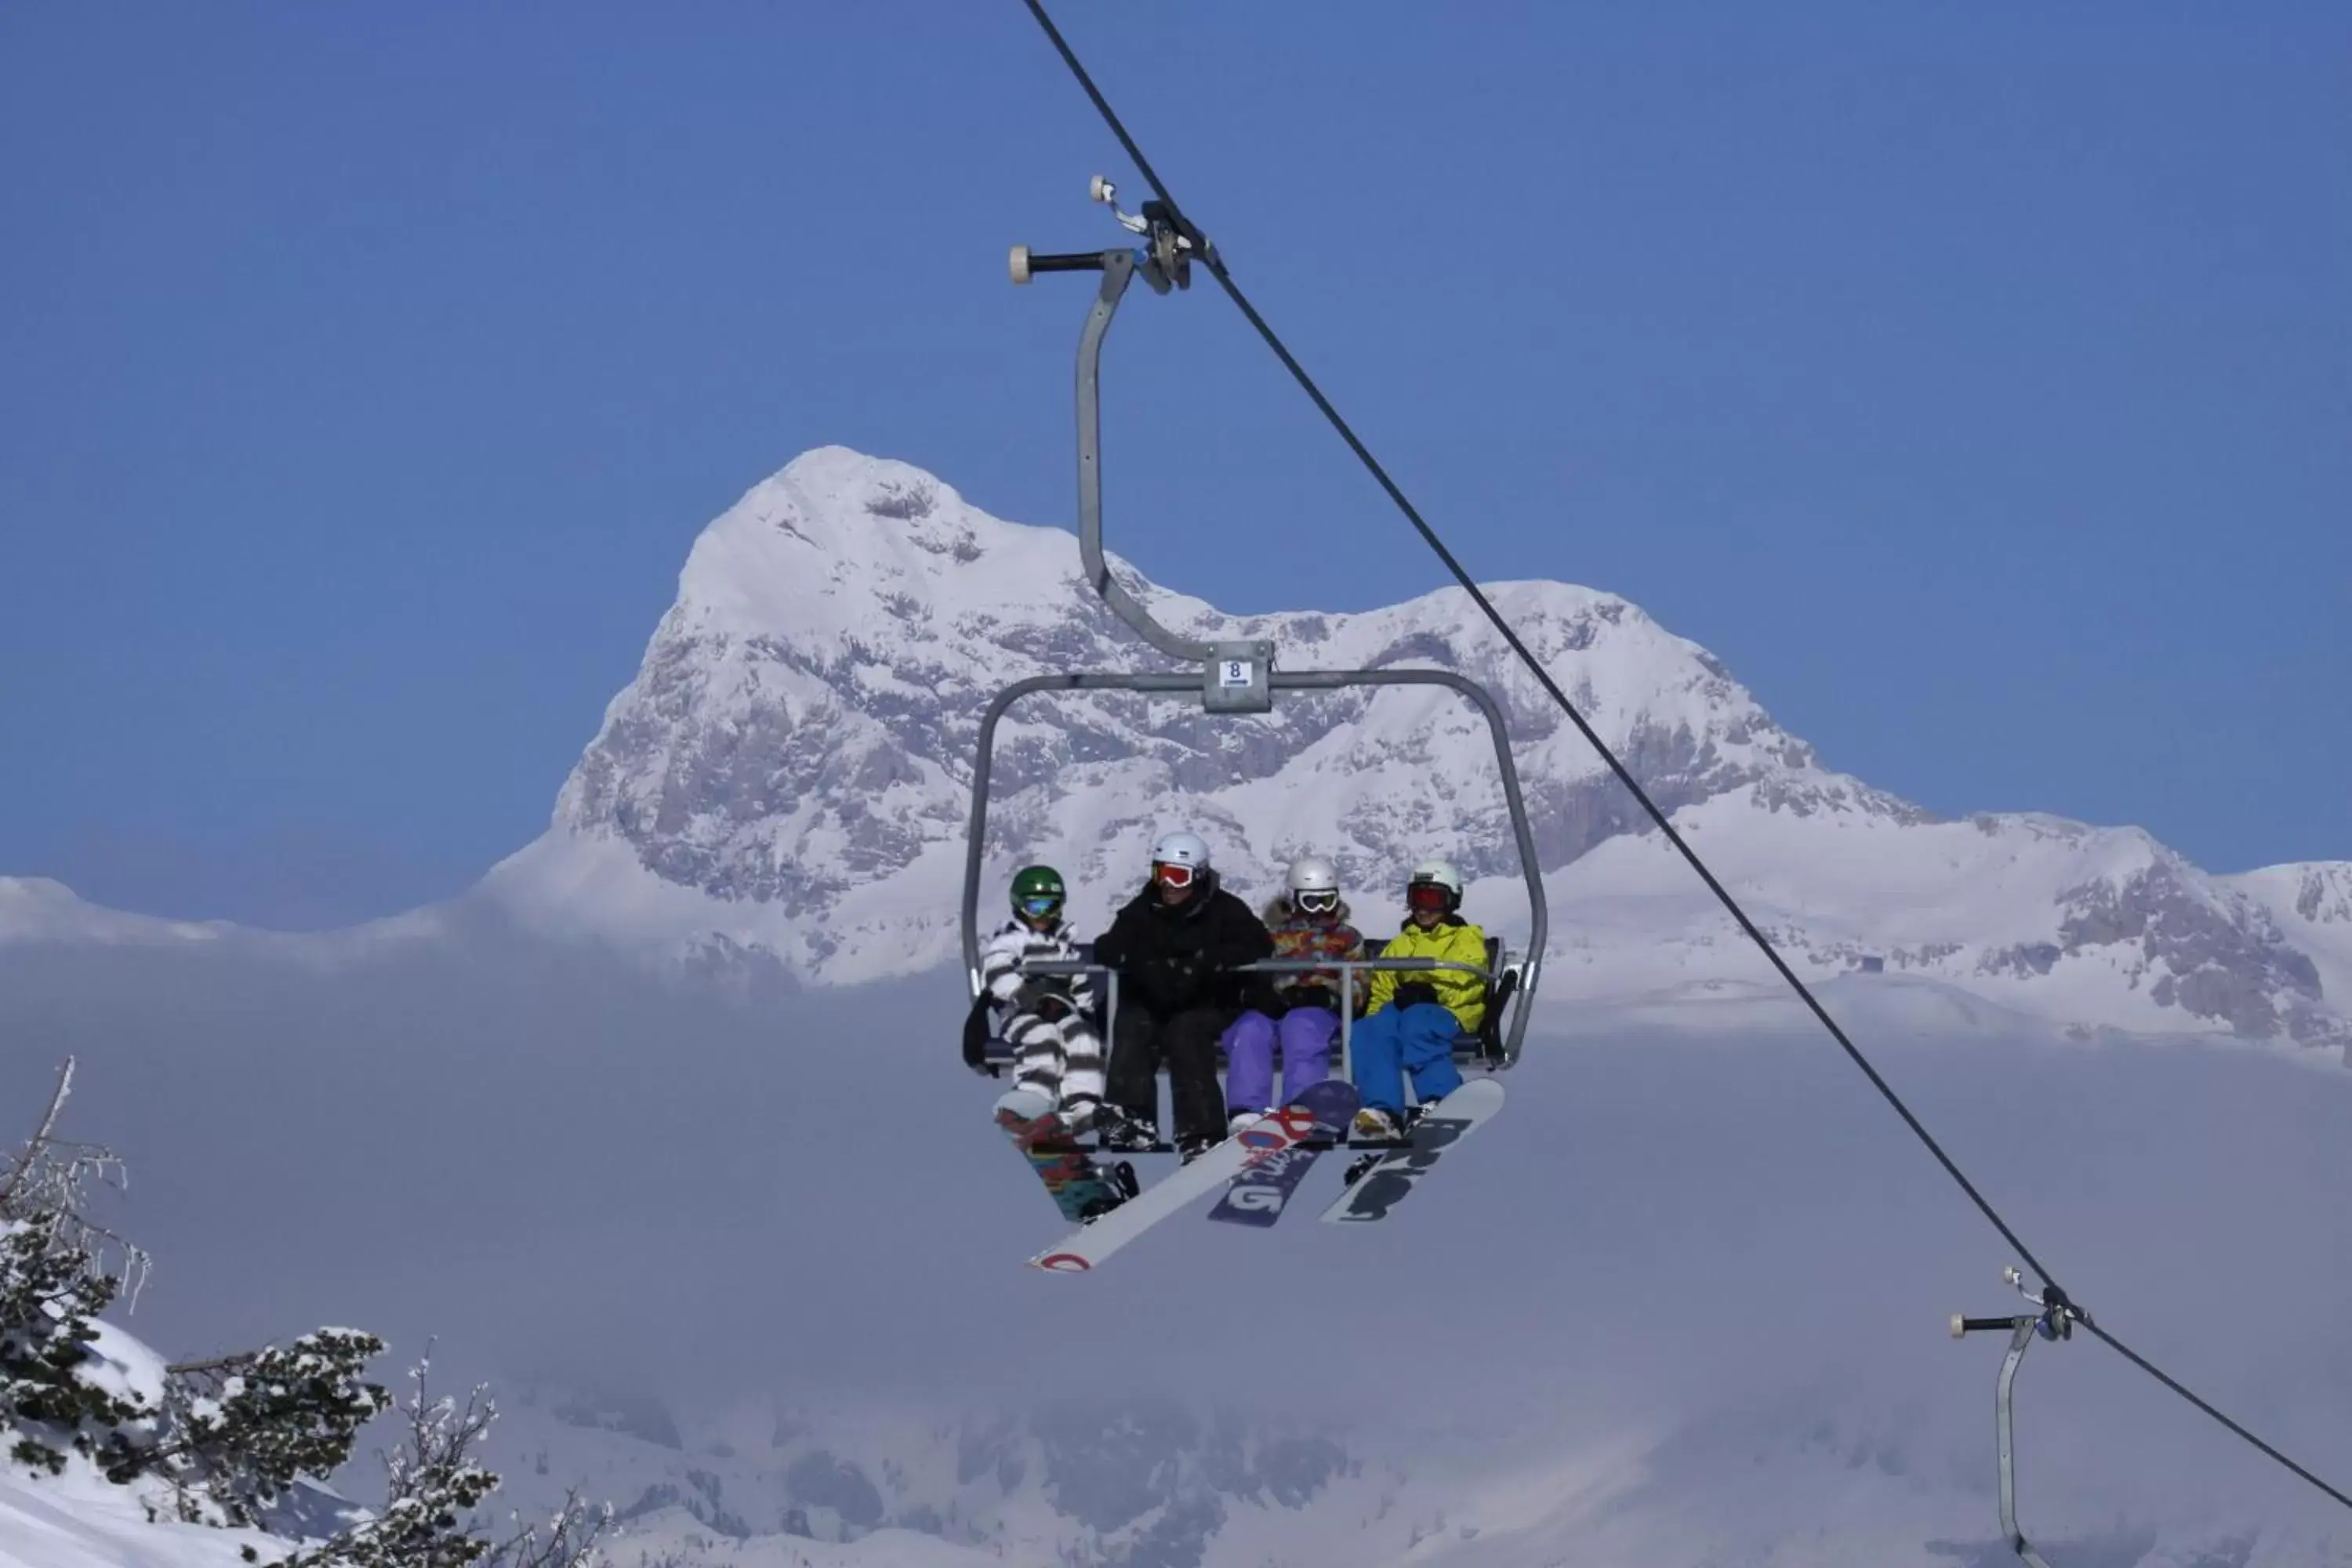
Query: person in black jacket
x=1174, y=946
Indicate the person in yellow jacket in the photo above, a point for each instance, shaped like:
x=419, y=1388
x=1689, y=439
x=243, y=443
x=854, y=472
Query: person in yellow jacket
x=1413, y=1017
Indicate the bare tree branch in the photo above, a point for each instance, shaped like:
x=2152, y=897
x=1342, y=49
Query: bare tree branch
x=32, y=1155
x=218, y=1364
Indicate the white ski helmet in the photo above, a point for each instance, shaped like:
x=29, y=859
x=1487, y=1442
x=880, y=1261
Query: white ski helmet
x=1314, y=885
x=1313, y=874
x=1187, y=850
x=1436, y=873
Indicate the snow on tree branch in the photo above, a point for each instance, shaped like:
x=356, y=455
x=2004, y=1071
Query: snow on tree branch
x=434, y=1482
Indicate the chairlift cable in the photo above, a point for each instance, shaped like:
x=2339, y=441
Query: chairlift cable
x=1215, y=260
x=2175, y=1385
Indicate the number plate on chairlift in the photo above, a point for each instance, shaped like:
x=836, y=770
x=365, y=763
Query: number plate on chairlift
x=1239, y=677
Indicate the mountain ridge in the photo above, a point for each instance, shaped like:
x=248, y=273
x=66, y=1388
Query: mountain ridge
x=785, y=785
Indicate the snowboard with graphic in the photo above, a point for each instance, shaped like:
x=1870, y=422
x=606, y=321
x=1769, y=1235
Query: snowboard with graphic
x=1259, y=1194
x=1390, y=1177
x=1079, y=1188
x=1097, y=1239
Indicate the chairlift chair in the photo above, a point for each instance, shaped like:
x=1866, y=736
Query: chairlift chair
x=1226, y=677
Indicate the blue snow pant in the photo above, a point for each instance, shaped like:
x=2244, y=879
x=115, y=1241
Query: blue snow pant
x=1396, y=1040
x=1306, y=1033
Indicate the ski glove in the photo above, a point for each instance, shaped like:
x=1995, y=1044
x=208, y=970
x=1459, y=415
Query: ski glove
x=1415, y=993
x=1309, y=994
x=1051, y=1003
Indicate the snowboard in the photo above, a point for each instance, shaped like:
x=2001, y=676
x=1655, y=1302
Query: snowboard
x=1097, y=1239
x=1377, y=1187
x=1079, y=1187
x=1258, y=1195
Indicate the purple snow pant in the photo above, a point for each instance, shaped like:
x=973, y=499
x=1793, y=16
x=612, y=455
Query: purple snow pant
x=1306, y=1033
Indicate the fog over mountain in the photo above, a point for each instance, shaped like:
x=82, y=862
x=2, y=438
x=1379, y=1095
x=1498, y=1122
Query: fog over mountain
x=1683, y=1303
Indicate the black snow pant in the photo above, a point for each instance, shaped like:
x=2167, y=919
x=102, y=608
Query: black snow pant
x=1187, y=1042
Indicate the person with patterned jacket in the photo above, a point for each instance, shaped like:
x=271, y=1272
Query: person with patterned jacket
x=1298, y=1013
x=1046, y=1018
x=1414, y=1016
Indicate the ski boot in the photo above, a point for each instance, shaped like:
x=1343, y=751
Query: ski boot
x=1116, y=1132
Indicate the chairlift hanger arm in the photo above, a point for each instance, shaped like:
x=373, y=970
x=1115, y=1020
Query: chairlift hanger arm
x=1165, y=261
x=2053, y=1318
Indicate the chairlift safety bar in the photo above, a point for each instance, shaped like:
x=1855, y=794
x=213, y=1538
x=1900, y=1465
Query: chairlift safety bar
x=1069, y=966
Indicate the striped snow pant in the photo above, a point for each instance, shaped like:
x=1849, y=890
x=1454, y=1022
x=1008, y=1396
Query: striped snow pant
x=1059, y=1056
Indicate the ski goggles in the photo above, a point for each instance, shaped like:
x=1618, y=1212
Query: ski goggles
x=1168, y=874
x=1038, y=906
x=1316, y=903
x=1429, y=896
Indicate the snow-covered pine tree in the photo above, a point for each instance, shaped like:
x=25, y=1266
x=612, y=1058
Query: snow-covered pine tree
x=50, y=1294
x=56, y=1397
x=435, y=1481
x=242, y=1429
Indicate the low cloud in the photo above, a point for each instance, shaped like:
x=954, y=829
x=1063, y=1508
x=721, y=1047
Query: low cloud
x=1700, y=1250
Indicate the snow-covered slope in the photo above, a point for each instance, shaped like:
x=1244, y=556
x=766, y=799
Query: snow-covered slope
x=80, y=1521
x=785, y=784
x=1112, y=1482
x=78, y=1518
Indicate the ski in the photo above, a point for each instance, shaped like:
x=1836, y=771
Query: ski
x=1079, y=1187
x=1259, y=1194
x=1097, y=1239
x=1385, y=1180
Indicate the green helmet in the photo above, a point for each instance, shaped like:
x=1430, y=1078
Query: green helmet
x=1038, y=893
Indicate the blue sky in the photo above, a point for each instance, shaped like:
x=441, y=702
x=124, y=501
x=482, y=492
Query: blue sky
x=1978, y=386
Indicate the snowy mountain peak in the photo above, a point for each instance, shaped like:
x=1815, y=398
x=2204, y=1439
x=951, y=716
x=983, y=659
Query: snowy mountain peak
x=789, y=771
x=787, y=780
x=837, y=537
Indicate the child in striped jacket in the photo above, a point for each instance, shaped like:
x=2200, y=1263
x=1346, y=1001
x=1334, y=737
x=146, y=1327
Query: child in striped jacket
x=1045, y=1019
